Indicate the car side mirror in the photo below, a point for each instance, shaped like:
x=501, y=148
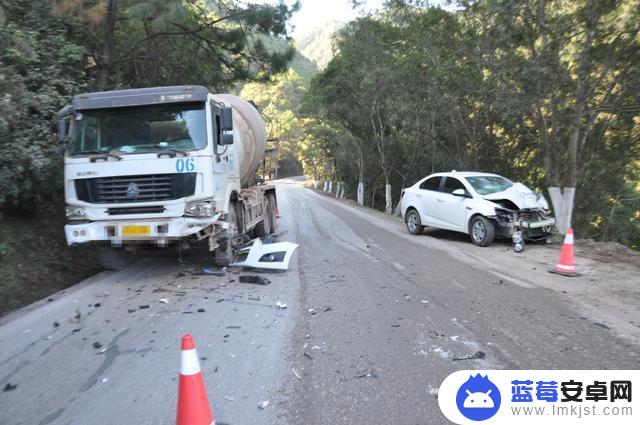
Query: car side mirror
x=226, y=139
x=62, y=130
x=226, y=120
x=461, y=193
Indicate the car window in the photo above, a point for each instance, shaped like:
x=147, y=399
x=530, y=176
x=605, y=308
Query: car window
x=451, y=184
x=432, y=183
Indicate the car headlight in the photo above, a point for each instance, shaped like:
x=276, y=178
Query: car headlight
x=75, y=213
x=199, y=209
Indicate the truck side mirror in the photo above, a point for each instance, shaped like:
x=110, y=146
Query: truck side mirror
x=62, y=130
x=226, y=139
x=226, y=119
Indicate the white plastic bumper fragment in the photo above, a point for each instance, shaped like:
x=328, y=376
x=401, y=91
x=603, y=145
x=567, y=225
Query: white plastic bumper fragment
x=274, y=256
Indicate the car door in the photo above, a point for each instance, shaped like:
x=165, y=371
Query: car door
x=427, y=199
x=451, y=210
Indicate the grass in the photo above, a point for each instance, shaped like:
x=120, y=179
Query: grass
x=35, y=260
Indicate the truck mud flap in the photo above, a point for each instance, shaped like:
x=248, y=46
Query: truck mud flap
x=274, y=256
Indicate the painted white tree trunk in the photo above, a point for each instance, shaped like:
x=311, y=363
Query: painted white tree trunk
x=388, y=202
x=361, y=193
x=325, y=187
x=330, y=186
x=315, y=184
x=562, y=201
x=338, y=189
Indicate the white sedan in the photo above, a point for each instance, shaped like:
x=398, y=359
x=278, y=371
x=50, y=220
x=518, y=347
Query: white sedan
x=481, y=205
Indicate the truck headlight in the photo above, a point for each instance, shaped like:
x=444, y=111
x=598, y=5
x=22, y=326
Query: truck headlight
x=199, y=209
x=74, y=213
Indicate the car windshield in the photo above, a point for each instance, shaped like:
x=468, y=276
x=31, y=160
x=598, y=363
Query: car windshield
x=486, y=185
x=139, y=129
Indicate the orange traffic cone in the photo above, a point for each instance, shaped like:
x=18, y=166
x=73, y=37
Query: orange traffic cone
x=565, y=266
x=193, y=406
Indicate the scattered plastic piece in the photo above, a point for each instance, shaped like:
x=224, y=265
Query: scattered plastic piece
x=312, y=312
x=476, y=355
x=164, y=300
x=97, y=305
x=214, y=271
x=104, y=380
x=142, y=307
x=370, y=374
x=281, y=305
x=263, y=404
x=9, y=387
x=97, y=345
x=256, y=280
x=295, y=373
x=201, y=310
x=56, y=324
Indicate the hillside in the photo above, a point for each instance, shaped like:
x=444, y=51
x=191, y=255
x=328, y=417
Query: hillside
x=316, y=43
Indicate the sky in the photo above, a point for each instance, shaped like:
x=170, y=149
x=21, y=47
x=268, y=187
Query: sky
x=315, y=13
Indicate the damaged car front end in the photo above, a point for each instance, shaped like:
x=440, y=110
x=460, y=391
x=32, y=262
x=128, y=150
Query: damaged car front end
x=522, y=215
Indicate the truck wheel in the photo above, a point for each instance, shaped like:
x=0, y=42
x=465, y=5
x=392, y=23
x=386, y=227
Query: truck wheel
x=414, y=224
x=263, y=228
x=272, y=212
x=114, y=259
x=223, y=254
x=482, y=231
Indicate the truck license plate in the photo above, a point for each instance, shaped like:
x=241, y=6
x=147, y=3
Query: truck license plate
x=136, y=230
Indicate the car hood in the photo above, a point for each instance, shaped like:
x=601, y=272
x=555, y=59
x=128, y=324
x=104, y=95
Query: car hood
x=521, y=196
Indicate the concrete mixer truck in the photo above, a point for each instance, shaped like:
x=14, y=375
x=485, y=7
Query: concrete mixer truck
x=165, y=166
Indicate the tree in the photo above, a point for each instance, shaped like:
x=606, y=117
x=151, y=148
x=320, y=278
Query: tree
x=154, y=42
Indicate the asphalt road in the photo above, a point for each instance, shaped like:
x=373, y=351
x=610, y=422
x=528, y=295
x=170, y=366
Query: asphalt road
x=376, y=319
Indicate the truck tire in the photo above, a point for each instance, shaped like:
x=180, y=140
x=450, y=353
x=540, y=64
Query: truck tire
x=271, y=198
x=114, y=259
x=482, y=231
x=223, y=254
x=263, y=228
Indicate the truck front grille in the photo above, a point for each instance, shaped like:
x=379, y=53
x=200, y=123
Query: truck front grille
x=143, y=188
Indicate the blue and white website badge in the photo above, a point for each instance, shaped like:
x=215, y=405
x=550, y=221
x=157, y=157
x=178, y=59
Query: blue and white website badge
x=531, y=396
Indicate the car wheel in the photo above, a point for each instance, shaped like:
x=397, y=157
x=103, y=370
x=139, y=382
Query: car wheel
x=482, y=231
x=412, y=219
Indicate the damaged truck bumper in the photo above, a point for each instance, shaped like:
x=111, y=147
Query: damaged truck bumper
x=158, y=231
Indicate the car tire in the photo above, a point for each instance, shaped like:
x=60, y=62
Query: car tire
x=413, y=222
x=482, y=231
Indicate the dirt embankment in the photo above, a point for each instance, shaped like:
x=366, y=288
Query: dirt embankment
x=35, y=260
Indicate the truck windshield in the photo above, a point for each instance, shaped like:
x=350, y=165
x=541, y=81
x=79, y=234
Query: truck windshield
x=139, y=129
x=486, y=185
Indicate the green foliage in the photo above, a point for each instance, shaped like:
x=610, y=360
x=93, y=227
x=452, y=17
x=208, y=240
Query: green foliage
x=317, y=43
x=39, y=70
x=544, y=92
